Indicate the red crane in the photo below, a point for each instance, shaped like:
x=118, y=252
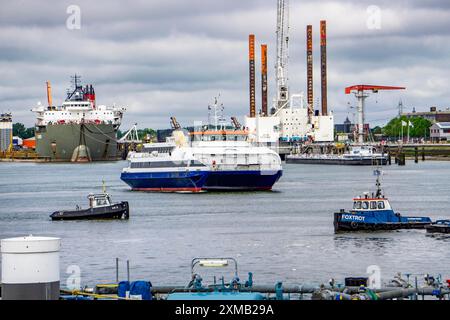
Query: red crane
x=361, y=93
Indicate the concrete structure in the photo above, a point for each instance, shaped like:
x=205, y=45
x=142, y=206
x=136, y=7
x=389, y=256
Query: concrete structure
x=434, y=115
x=291, y=125
x=323, y=128
x=440, y=131
x=30, y=268
x=6, y=132
x=263, y=130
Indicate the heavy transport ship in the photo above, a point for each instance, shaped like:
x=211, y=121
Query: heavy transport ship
x=79, y=130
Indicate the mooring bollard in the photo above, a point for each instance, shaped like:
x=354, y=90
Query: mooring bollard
x=401, y=159
x=30, y=268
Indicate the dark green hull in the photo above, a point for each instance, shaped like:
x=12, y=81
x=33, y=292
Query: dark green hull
x=59, y=141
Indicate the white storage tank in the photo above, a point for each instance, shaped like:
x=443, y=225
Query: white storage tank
x=30, y=268
x=6, y=131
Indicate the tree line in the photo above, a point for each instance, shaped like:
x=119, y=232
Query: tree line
x=21, y=131
x=418, y=127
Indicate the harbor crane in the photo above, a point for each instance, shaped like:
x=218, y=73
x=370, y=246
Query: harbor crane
x=281, y=72
x=236, y=123
x=174, y=123
x=131, y=136
x=361, y=92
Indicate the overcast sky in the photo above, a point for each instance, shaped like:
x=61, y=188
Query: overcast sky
x=164, y=57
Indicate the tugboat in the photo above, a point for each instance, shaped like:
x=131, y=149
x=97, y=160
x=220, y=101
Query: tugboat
x=440, y=226
x=374, y=212
x=100, y=207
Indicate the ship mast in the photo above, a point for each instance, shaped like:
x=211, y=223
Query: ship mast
x=378, y=173
x=218, y=118
x=281, y=66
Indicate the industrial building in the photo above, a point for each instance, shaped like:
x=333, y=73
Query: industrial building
x=434, y=115
x=6, y=132
x=290, y=120
x=440, y=131
x=346, y=127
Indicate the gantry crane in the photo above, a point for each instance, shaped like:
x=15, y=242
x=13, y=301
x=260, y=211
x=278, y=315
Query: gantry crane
x=361, y=92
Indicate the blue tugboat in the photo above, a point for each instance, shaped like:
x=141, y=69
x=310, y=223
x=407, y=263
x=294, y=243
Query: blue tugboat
x=374, y=212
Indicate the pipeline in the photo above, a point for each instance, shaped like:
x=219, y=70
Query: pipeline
x=322, y=292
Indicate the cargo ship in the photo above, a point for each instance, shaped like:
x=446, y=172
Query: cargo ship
x=79, y=130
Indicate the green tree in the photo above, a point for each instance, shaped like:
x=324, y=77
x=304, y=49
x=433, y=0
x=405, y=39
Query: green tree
x=143, y=133
x=377, y=130
x=420, y=127
x=19, y=130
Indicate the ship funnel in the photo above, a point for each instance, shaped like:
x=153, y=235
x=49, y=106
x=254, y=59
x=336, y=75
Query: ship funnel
x=90, y=94
x=49, y=95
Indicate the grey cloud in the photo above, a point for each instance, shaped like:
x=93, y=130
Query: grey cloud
x=163, y=58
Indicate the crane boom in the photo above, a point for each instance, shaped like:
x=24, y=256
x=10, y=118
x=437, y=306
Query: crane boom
x=174, y=123
x=367, y=87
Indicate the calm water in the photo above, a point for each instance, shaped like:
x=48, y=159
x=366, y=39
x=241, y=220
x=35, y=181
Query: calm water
x=286, y=234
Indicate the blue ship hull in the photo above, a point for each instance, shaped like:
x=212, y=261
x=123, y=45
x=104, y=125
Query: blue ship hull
x=166, y=181
x=381, y=220
x=241, y=180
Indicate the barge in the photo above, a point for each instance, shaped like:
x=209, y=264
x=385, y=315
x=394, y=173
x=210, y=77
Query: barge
x=358, y=156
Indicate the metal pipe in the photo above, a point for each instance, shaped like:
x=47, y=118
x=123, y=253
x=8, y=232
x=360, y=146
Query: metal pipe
x=128, y=270
x=49, y=95
x=264, y=88
x=117, y=270
x=309, y=70
x=251, y=56
x=399, y=293
x=323, y=66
